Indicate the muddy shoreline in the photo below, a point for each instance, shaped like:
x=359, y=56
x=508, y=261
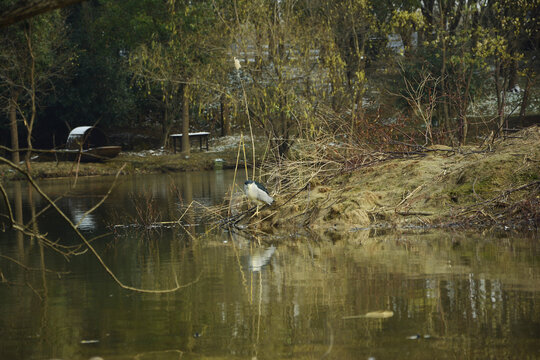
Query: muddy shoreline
x=224, y=150
x=437, y=187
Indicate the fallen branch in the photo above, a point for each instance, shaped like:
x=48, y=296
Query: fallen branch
x=414, y=213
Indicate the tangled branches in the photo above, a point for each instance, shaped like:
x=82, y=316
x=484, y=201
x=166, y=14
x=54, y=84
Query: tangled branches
x=504, y=211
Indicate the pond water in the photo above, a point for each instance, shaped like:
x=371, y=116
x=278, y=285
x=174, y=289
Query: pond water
x=358, y=295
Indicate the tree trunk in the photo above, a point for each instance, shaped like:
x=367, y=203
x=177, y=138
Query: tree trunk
x=225, y=122
x=30, y=124
x=525, y=100
x=464, y=105
x=501, y=95
x=13, y=125
x=185, y=121
x=443, y=66
x=427, y=8
x=166, y=126
x=284, y=126
x=512, y=73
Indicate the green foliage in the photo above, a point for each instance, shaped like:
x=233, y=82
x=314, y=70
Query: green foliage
x=34, y=57
x=98, y=89
x=128, y=62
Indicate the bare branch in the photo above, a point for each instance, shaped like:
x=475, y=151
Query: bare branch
x=29, y=8
x=86, y=242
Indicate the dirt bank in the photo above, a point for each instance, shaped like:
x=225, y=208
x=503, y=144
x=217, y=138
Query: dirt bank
x=440, y=186
x=148, y=161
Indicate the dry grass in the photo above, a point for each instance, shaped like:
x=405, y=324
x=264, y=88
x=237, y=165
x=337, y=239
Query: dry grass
x=330, y=185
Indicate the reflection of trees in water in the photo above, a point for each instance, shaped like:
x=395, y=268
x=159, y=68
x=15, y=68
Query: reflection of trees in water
x=151, y=271
x=17, y=199
x=475, y=297
x=432, y=287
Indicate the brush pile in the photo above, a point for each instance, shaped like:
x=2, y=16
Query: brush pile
x=331, y=184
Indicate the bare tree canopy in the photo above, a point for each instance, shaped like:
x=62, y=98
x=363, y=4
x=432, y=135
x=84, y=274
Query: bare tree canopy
x=28, y=8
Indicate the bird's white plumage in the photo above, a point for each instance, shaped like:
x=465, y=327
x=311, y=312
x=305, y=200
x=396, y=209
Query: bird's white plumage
x=257, y=194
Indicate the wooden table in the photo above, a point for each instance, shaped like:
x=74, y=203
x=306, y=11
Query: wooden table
x=201, y=135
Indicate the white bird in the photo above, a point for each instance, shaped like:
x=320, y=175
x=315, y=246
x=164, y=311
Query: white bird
x=257, y=193
x=237, y=63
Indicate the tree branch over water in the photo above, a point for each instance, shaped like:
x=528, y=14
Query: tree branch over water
x=75, y=228
x=29, y=8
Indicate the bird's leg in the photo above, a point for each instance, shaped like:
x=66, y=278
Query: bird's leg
x=256, y=213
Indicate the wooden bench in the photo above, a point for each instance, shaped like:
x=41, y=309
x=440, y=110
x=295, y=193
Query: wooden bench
x=201, y=135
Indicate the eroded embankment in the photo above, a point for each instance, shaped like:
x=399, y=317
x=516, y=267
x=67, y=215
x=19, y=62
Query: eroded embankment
x=470, y=186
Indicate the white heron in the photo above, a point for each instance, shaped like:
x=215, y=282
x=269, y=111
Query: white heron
x=257, y=193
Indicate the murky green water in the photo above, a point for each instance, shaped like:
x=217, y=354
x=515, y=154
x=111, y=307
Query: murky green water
x=362, y=295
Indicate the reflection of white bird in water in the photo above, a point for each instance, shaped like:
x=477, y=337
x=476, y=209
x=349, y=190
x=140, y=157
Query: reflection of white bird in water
x=257, y=193
x=257, y=259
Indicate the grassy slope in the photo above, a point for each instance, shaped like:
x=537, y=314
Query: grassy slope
x=425, y=190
